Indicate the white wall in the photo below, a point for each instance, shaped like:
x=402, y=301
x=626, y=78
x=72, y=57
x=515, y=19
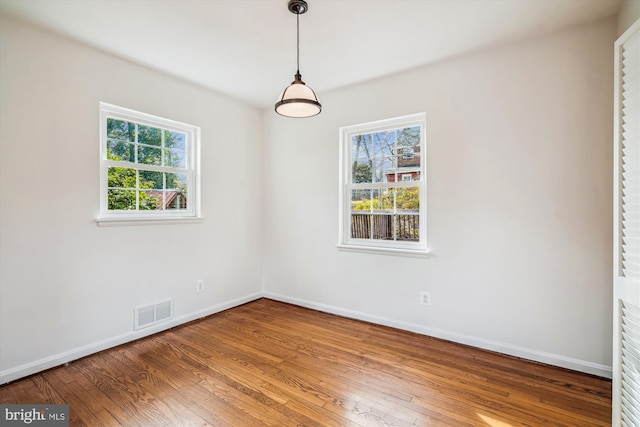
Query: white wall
x=519, y=143
x=67, y=286
x=629, y=13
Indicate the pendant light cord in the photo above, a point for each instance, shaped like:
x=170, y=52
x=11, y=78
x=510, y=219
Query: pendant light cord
x=298, y=41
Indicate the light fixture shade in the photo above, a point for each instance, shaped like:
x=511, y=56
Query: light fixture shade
x=298, y=100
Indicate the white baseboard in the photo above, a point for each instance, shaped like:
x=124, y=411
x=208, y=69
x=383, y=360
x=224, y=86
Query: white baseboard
x=508, y=349
x=86, y=350
x=504, y=348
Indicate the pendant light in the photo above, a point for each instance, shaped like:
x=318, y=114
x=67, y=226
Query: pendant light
x=298, y=99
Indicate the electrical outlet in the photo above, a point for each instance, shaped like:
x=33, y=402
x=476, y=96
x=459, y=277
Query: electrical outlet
x=199, y=285
x=425, y=298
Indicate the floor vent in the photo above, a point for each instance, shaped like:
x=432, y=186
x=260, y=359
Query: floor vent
x=150, y=315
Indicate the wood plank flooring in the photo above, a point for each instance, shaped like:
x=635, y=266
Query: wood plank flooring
x=268, y=363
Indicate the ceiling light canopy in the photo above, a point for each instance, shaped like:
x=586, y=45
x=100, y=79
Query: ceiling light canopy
x=298, y=99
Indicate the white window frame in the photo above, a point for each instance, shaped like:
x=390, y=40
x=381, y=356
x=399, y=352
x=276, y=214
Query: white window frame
x=191, y=170
x=345, y=241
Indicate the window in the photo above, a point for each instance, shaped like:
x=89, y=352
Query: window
x=149, y=167
x=407, y=153
x=382, y=186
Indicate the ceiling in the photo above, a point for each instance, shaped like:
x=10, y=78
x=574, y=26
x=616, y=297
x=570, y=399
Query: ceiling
x=247, y=48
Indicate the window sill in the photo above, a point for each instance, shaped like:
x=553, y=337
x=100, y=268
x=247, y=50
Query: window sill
x=118, y=222
x=413, y=253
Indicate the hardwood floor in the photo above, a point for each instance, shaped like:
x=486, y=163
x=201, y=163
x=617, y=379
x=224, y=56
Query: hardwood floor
x=274, y=364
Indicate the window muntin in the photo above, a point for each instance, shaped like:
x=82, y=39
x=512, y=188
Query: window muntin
x=383, y=199
x=149, y=166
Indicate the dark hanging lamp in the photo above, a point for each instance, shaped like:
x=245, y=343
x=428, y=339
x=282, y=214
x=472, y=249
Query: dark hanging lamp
x=298, y=99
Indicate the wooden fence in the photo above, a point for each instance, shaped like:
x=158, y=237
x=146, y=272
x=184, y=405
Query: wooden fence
x=381, y=225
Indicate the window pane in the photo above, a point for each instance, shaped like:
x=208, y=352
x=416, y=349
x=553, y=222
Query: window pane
x=385, y=214
x=409, y=137
x=150, y=155
x=149, y=135
x=382, y=226
x=175, y=199
x=372, y=199
x=121, y=178
x=360, y=225
x=121, y=130
x=176, y=181
x=383, y=199
x=384, y=162
x=360, y=213
x=361, y=147
x=175, y=158
x=407, y=226
x=371, y=213
x=361, y=172
x=176, y=140
x=120, y=151
x=150, y=200
x=362, y=158
x=373, y=158
x=391, y=153
x=382, y=204
x=151, y=179
x=408, y=199
x=121, y=200
x=361, y=199
x=409, y=151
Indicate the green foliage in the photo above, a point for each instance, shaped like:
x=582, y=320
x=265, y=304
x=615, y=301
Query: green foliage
x=149, y=135
x=362, y=172
x=122, y=146
x=121, y=140
x=406, y=198
x=125, y=199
